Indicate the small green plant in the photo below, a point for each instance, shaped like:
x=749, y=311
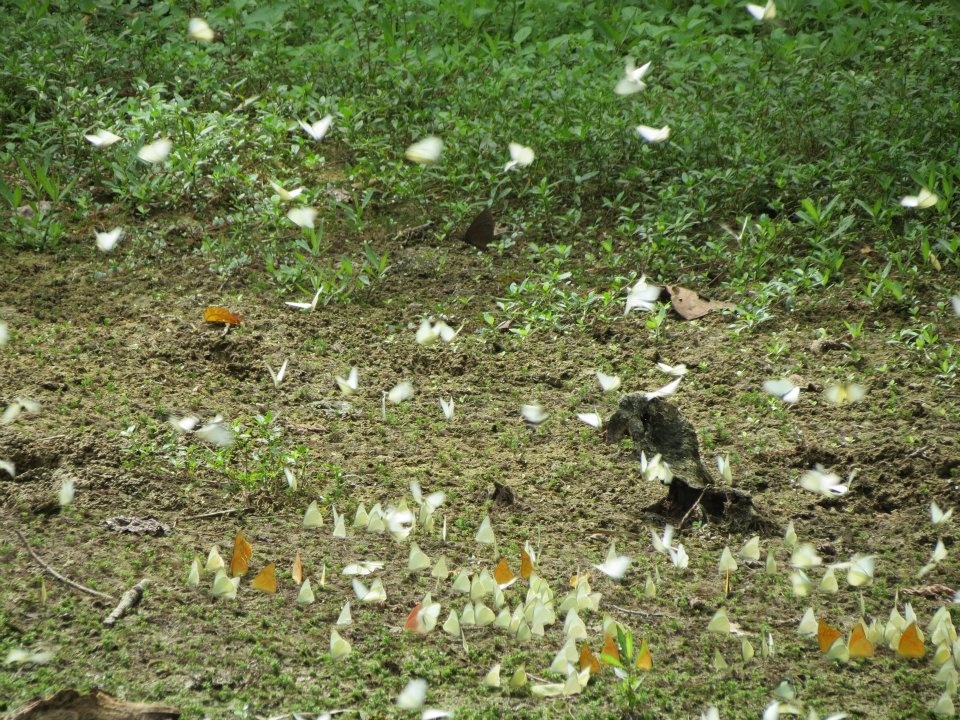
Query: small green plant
x=626, y=668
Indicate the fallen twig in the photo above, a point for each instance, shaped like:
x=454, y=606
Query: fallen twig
x=693, y=507
x=128, y=601
x=637, y=612
x=212, y=514
x=58, y=576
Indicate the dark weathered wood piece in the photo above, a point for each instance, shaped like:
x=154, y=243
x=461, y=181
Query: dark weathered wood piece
x=657, y=427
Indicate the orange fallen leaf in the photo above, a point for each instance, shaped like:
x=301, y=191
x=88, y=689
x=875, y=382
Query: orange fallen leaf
x=266, y=579
x=503, y=574
x=588, y=660
x=644, y=658
x=242, y=552
x=214, y=314
x=910, y=644
x=826, y=635
x=297, y=571
x=526, y=565
x=610, y=649
x=860, y=645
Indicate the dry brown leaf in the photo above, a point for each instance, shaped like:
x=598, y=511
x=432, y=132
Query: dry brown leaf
x=933, y=592
x=690, y=306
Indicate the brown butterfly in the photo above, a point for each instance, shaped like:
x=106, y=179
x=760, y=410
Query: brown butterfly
x=480, y=232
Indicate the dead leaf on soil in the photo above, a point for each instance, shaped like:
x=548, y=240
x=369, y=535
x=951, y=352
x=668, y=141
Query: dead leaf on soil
x=138, y=525
x=690, y=306
x=96, y=705
x=932, y=592
x=214, y=314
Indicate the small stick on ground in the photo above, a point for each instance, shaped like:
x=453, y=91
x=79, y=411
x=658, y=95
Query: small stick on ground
x=637, y=612
x=128, y=601
x=212, y=514
x=692, y=508
x=58, y=576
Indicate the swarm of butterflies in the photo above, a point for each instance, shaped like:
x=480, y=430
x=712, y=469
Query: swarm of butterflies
x=522, y=605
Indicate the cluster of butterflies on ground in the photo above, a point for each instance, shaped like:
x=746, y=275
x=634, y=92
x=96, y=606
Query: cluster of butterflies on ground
x=486, y=603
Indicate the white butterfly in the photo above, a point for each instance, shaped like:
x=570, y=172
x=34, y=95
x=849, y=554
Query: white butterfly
x=666, y=391
x=783, y=389
x=185, y=424
x=652, y=134
x=534, y=414
x=820, y=481
x=592, y=419
x=103, y=138
x=155, y=152
x=678, y=370
x=520, y=156
x=615, y=565
x=302, y=216
x=400, y=392
x=363, y=567
x=447, y=407
x=937, y=516
x=413, y=695
x=662, y=544
x=216, y=433
x=8, y=467
x=351, y=384
x=312, y=305
x=425, y=151
x=764, y=12
x=842, y=394
x=65, y=496
x=198, y=29
x=433, y=501
x=279, y=375
x=679, y=557
x=922, y=200
x=4, y=333
x=18, y=406
x=318, y=129
x=608, y=383
x=285, y=194
x=955, y=301
x=723, y=465
x=642, y=296
x=106, y=241
x=632, y=80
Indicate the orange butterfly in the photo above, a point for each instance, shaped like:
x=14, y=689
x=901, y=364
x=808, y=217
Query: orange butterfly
x=588, y=659
x=911, y=645
x=266, y=579
x=242, y=552
x=413, y=619
x=826, y=635
x=610, y=648
x=214, y=314
x=860, y=645
x=503, y=574
x=644, y=659
x=297, y=572
x=526, y=565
